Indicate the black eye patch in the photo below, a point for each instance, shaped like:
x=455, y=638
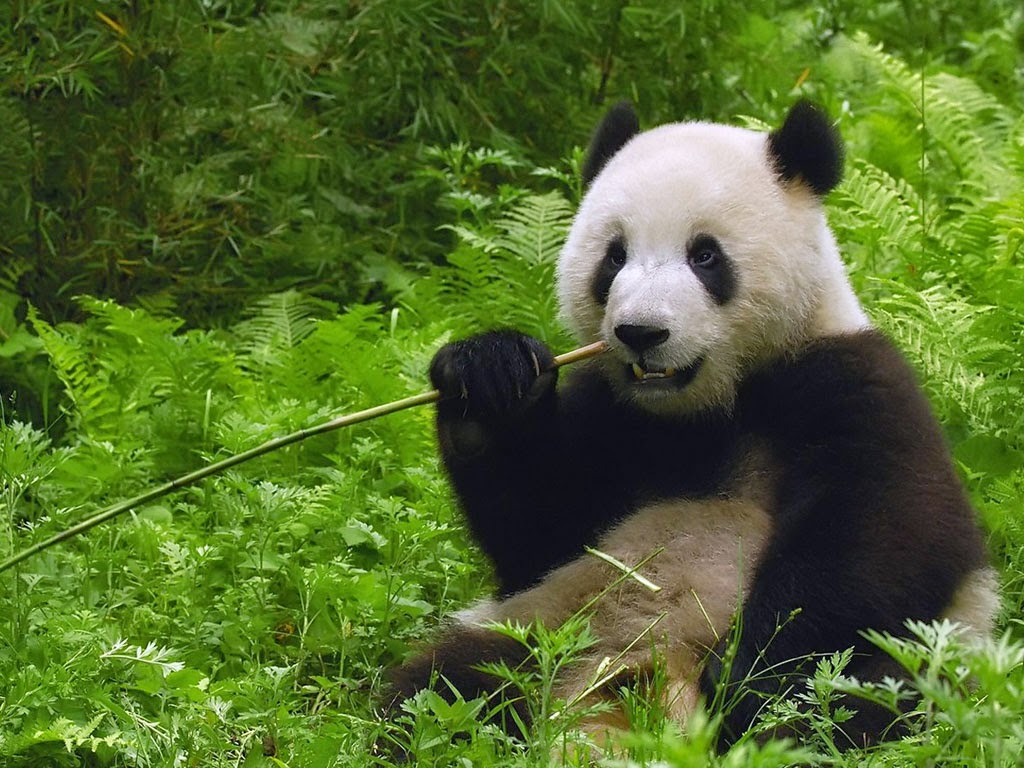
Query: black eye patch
x=613, y=261
x=712, y=267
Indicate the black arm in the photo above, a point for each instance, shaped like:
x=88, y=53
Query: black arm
x=517, y=464
x=872, y=525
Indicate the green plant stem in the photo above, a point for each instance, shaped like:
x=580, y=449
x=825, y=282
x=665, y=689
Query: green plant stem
x=271, y=445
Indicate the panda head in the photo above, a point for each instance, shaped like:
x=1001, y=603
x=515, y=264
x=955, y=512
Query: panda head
x=701, y=251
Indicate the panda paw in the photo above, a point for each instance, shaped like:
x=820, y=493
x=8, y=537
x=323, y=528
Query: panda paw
x=495, y=377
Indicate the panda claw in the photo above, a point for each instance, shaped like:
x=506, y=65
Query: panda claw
x=536, y=362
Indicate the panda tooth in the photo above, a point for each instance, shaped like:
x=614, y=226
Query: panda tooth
x=642, y=374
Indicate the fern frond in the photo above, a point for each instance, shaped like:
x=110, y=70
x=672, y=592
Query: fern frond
x=969, y=126
x=966, y=124
x=884, y=68
x=535, y=229
x=502, y=276
x=959, y=362
x=131, y=323
x=990, y=119
x=337, y=349
x=879, y=213
x=1009, y=235
x=85, y=384
x=969, y=231
x=278, y=322
x=11, y=270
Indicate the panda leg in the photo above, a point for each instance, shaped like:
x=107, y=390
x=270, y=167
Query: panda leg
x=453, y=666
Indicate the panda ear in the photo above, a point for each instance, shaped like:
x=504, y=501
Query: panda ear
x=807, y=147
x=619, y=125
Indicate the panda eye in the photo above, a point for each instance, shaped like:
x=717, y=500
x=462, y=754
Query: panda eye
x=705, y=252
x=616, y=254
x=704, y=258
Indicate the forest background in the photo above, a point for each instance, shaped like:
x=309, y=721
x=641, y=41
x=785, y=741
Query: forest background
x=226, y=220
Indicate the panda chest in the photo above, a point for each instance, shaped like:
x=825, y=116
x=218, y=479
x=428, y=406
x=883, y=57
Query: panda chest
x=672, y=573
x=697, y=552
x=697, y=559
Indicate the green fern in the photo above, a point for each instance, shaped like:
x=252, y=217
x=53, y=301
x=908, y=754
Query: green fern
x=950, y=114
x=961, y=365
x=1008, y=218
x=85, y=384
x=138, y=343
x=954, y=215
x=878, y=216
x=503, y=275
x=334, y=356
x=11, y=271
x=278, y=321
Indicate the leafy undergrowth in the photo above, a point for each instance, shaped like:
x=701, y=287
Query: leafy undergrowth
x=247, y=621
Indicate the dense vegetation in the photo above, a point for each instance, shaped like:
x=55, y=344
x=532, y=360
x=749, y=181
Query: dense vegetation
x=223, y=221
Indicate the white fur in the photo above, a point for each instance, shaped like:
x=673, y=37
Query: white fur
x=975, y=605
x=658, y=192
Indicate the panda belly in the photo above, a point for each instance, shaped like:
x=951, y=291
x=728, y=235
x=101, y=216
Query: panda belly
x=700, y=554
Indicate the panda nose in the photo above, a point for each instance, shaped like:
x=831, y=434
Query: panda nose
x=640, y=338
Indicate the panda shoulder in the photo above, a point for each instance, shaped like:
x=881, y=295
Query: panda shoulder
x=844, y=380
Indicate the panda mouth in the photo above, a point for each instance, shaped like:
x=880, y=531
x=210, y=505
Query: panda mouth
x=642, y=374
x=678, y=377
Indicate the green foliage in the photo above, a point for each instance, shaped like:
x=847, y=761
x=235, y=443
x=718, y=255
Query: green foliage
x=514, y=255
x=194, y=190
x=952, y=719
x=190, y=155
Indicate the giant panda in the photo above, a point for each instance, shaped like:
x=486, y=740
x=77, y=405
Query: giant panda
x=749, y=439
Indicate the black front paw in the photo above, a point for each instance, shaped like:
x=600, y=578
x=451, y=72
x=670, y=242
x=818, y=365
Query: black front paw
x=494, y=377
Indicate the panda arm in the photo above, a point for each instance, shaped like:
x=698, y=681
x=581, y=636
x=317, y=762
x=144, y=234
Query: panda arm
x=526, y=478
x=871, y=524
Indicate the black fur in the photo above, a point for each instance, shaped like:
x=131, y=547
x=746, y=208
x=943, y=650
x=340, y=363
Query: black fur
x=463, y=373
x=871, y=526
x=618, y=126
x=613, y=261
x=808, y=147
x=455, y=662
x=713, y=268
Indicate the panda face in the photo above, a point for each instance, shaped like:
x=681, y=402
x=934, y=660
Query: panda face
x=695, y=261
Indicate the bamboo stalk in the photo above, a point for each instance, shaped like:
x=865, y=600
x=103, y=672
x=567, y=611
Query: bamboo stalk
x=271, y=445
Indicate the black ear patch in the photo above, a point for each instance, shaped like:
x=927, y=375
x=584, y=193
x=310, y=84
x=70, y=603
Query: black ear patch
x=807, y=147
x=617, y=127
